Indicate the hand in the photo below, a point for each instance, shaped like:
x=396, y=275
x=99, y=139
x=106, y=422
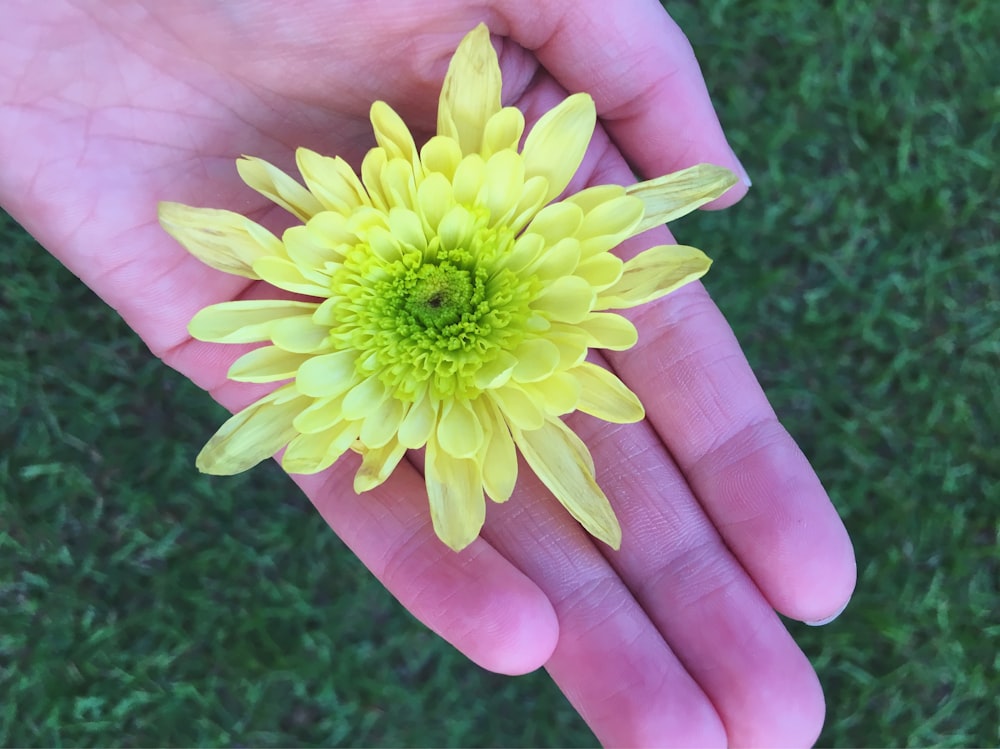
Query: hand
x=673, y=640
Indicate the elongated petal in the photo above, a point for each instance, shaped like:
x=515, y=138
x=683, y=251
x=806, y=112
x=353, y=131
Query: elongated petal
x=537, y=358
x=328, y=374
x=608, y=330
x=459, y=432
x=503, y=131
x=455, y=491
x=223, y=240
x=517, y=407
x=300, y=335
x=555, y=146
x=244, y=321
x=418, y=424
x=498, y=456
x=364, y=398
x=382, y=425
x=674, y=195
x=653, y=274
x=392, y=134
x=266, y=364
x=332, y=181
x=603, y=395
x=553, y=452
x=290, y=276
x=312, y=453
x=470, y=95
x=568, y=299
x=377, y=464
x=558, y=394
x=252, y=435
x=277, y=186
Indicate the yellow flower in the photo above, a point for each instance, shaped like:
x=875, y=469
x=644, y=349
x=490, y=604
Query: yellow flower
x=455, y=303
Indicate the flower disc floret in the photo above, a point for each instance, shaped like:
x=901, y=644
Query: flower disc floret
x=431, y=318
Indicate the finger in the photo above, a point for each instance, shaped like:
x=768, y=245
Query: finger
x=476, y=600
x=610, y=661
x=705, y=605
x=640, y=69
x=748, y=473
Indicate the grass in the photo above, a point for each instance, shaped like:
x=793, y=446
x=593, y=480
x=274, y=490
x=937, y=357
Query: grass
x=145, y=604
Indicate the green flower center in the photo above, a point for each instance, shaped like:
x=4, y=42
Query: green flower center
x=432, y=317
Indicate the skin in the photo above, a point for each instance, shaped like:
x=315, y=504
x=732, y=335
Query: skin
x=108, y=107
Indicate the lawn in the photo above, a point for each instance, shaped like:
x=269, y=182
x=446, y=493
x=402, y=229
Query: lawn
x=146, y=604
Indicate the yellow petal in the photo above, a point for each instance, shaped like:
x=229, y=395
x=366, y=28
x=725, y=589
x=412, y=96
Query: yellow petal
x=553, y=452
x=534, y=195
x=567, y=299
x=327, y=374
x=223, y=240
x=309, y=250
x=601, y=270
x=332, y=181
x=434, y=198
x=503, y=131
x=469, y=179
x=557, y=261
x=537, y=358
x=255, y=433
x=300, y=335
x=441, y=155
x=496, y=372
x=382, y=425
x=603, y=395
x=418, y=423
x=364, y=398
x=470, y=95
x=517, y=407
x=557, y=221
x=266, y=364
x=503, y=184
x=558, y=394
x=459, y=432
x=277, y=186
x=653, y=274
x=609, y=224
x=371, y=176
x=312, y=453
x=608, y=330
x=290, y=276
x=392, y=134
x=377, y=464
x=555, y=146
x=244, y=321
x=407, y=227
x=455, y=491
x=498, y=456
x=321, y=415
x=399, y=184
x=674, y=195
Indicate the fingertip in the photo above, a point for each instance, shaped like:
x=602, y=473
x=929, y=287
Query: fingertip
x=515, y=633
x=737, y=192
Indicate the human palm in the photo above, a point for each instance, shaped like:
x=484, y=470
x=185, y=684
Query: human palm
x=672, y=640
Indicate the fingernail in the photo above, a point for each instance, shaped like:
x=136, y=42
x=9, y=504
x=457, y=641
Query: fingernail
x=740, y=169
x=830, y=618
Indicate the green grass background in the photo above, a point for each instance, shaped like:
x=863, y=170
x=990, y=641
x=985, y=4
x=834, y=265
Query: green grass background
x=145, y=604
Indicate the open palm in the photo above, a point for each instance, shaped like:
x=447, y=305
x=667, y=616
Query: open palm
x=672, y=640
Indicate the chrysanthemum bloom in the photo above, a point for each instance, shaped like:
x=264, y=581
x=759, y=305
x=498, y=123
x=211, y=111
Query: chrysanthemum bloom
x=455, y=302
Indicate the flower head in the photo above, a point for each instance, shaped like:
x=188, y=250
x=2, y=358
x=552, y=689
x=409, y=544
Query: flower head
x=453, y=303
